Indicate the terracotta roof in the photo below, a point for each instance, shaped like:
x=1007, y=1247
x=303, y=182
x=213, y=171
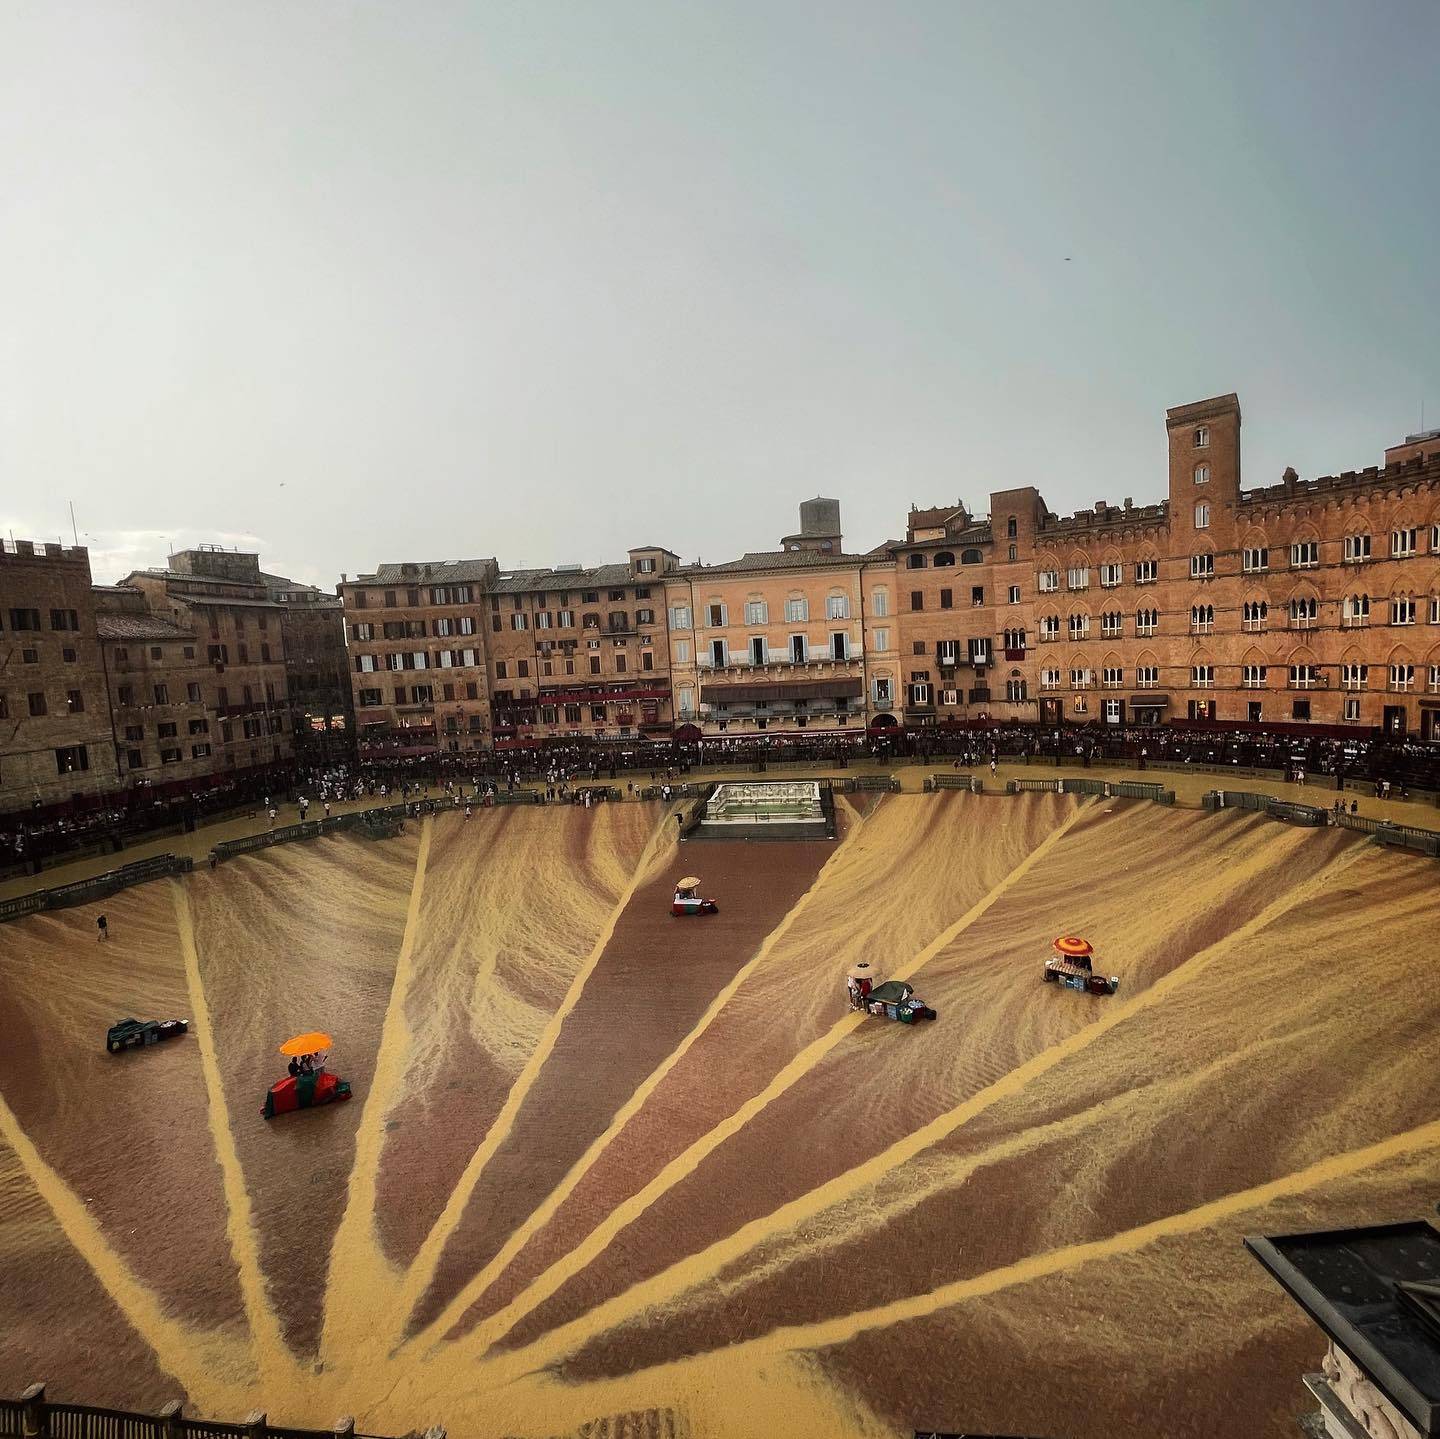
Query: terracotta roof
x=221, y=602
x=776, y=560
x=280, y=582
x=139, y=627
x=429, y=572
x=927, y=518
x=596, y=577
x=184, y=577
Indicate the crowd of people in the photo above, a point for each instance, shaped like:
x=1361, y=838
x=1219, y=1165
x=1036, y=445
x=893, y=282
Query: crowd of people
x=585, y=774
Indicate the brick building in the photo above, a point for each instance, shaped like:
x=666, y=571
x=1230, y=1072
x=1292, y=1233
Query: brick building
x=777, y=641
x=415, y=636
x=580, y=652
x=1305, y=603
x=157, y=677
x=962, y=650
x=1308, y=602
x=55, y=742
x=220, y=599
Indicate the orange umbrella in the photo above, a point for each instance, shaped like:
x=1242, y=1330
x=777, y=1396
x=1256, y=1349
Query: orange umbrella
x=311, y=1043
x=1073, y=948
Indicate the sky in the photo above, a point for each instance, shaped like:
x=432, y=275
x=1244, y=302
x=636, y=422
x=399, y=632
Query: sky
x=357, y=283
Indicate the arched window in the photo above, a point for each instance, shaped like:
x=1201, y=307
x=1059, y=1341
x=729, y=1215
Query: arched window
x=1255, y=614
x=971, y=557
x=1355, y=610
x=1254, y=671
x=1202, y=516
x=943, y=559
x=1202, y=619
x=915, y=562
x=1202, y=474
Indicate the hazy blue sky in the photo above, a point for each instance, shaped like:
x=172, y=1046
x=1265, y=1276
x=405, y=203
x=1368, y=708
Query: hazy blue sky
x=364, y=282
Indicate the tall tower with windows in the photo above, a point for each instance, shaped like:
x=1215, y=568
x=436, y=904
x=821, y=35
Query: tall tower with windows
x=1204, y=459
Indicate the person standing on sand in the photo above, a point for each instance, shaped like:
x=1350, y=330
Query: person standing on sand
x=103, y=926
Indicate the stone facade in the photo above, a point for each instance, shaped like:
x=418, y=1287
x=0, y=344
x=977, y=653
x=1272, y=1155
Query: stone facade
x=415, y=635
x=219, y=597
x=581, y=653
x=1304, y=603
x=55, y=741
x=777, y=642
x=158, y=679
x=317, y=670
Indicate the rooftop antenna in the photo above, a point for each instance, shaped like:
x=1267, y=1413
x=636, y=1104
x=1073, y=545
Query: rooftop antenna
x=76, y=533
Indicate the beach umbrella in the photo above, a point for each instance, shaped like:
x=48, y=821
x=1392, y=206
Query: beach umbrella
x=861, y=970
x=1073, y=948
x=691, y=881
x=312, y=1043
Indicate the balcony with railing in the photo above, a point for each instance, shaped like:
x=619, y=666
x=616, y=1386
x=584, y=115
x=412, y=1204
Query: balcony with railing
x=741, y=666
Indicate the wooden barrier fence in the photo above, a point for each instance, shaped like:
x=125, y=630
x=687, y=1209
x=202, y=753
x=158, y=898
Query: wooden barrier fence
x=98, y=886
x=32, y=1416
x=971, y=782
x=1381, y=831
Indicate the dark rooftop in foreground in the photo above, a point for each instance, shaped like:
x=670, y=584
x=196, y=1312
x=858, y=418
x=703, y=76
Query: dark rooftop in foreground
x=1375, y=1291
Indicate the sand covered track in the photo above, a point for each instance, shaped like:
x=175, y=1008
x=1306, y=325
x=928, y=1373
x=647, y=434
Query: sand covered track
x=610, y=1171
